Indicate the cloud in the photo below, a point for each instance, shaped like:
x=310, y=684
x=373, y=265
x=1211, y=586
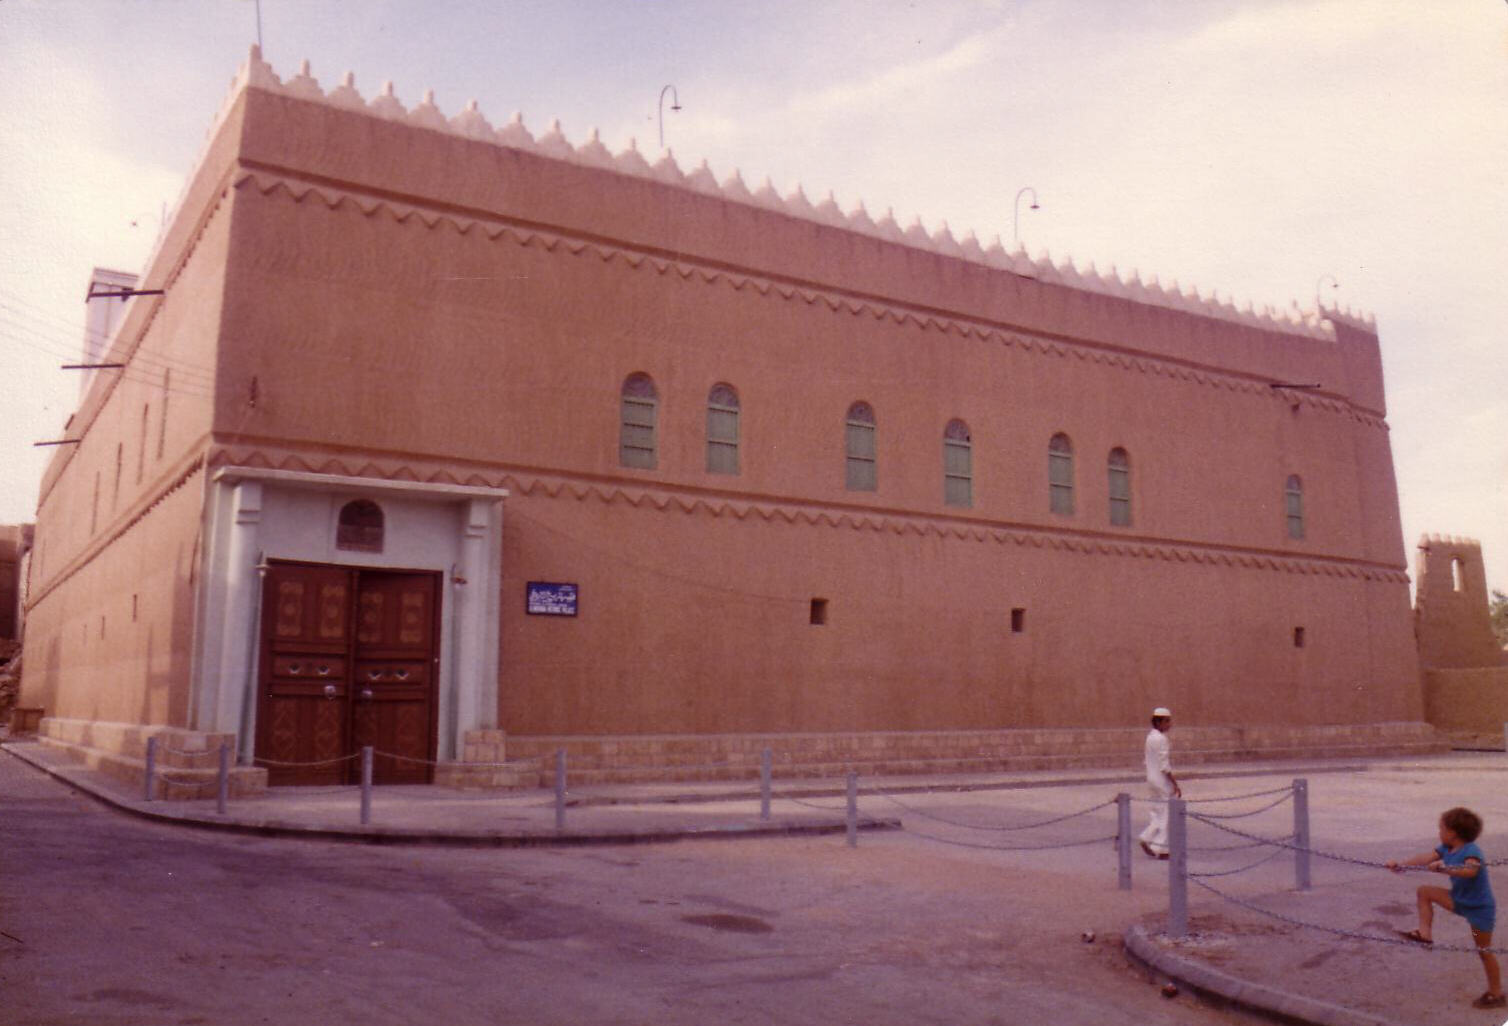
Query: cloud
x=902, y=83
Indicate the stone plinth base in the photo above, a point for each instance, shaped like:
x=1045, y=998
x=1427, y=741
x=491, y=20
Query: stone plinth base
x=187, y=761
x=691, y=757
x=483, y=766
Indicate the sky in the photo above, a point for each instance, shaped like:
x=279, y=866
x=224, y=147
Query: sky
x=1269, y=150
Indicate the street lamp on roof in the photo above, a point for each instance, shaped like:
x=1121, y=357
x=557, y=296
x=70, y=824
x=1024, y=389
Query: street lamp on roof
x=1319, y=306
x=675, y=105
x=1016, y=211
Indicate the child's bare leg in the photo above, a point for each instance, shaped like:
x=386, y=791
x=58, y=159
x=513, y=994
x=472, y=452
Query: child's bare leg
x=1489, y=961
x=1429, y=897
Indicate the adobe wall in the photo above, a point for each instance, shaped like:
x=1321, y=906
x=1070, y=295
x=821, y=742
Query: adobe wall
x=698, y=621
x=412, y=303
x=113, y=642
x=1452, y=617
x=1468, y=701
x=553, y=325
x=109, y=615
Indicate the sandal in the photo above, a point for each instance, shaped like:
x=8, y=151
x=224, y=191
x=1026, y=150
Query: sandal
x=1419, y=938
x=1490, y=1000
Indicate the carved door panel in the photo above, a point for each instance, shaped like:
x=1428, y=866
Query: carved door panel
x=348, y=659
x=304, y=678
x=393, y=696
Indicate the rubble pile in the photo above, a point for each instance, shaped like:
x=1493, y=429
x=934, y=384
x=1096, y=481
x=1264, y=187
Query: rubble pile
x=10, y=677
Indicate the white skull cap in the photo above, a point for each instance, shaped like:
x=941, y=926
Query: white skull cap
x=1163, y=712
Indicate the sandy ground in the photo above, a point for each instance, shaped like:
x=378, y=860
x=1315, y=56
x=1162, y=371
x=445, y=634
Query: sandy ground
x=1388, y=812
x=109, y=920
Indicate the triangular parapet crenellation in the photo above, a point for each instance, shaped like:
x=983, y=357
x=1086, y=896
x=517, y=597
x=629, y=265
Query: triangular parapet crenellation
x=472, y=124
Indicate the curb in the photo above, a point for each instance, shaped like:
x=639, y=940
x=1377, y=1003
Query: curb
x=1255, y=997
x=460, y=839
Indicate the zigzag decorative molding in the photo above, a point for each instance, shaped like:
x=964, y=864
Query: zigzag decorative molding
x=522, y=484
x=470, y=123
x=298, y=191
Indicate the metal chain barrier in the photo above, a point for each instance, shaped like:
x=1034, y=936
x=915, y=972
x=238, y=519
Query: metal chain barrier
x=1246, y=868
x=261, y=761
x=1206, y=816
x=1242, y=846
x=992, y=827
x=1286, y=789
x=1292, y=846
x=434, y=762
x=1009, y=847
x=1342, y=932
x=186, y=752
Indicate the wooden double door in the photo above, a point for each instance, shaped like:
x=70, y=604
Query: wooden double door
x=349, y=658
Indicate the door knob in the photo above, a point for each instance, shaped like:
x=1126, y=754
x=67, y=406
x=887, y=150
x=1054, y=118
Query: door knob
x=366, y=692
x=329, y=690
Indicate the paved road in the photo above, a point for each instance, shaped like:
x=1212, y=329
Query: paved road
x=118, y=922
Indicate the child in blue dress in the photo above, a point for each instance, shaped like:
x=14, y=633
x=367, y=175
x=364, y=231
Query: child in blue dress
x=1470, y=895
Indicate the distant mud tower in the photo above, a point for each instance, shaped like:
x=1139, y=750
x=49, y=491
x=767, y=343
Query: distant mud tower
x=1464, y=674
x=1451, y=617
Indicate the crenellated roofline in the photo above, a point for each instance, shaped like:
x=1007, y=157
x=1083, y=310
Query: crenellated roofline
x=1426, y=540
x=470, y=123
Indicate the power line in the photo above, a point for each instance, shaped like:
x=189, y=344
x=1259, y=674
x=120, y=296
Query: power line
x=143, y=359
x=64, y=349
x=127, y=373
x=65, y=329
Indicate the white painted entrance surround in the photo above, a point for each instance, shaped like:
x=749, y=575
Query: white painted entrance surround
x=254, y=514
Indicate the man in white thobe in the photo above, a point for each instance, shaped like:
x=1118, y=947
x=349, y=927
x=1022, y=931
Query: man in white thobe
x=1161, y=784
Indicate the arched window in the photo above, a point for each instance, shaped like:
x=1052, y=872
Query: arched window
x=359, y=528
x=1060, y=475
x=1457, y=578
x=636, y=436
x=1120, y=488
x=722, y=430
x=1293, y=501
x=861, y=474
x=958, y=465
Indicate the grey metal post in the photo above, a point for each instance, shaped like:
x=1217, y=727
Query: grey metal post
x=151, y=778
x=766, y=758
x=1178, y=869
x=366, y=785
x=222, y=792
x=853, y=809
x=1123, y=839
x=1301, y=834
x=560, y=788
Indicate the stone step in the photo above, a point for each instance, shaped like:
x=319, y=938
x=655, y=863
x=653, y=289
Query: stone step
x=172, y=782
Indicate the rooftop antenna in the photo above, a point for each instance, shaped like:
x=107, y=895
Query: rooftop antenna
x=259, y=23
x=1319, y=306
x=1016, y=220
x=675, y=104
